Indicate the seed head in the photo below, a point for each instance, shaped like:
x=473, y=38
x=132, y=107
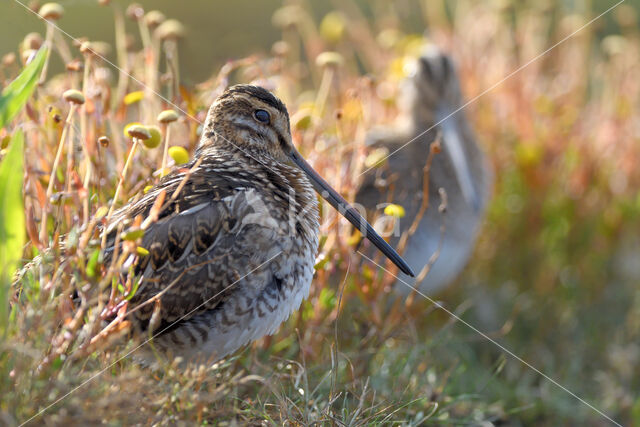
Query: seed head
x=167, y=116
x=139, y=131
x=135, y=11
x=154, y=18
x=51, y=11
x=170, y=30
x=329, y=59
x=179, y=154
x=32, y=41
x=156, y=137
x=73, y=96
x=104, y=141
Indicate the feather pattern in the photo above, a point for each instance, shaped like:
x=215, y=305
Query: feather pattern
x=231, y=255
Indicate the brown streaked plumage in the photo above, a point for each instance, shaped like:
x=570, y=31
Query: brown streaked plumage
x=232, y=255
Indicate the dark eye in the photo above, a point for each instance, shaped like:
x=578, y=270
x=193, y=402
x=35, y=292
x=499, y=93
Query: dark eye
x=262, y=116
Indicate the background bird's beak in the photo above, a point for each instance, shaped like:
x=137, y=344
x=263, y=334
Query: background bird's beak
x=348, y=211
x=453, y=146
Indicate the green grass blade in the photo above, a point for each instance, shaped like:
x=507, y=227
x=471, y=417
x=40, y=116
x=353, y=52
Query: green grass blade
x=16, y=94
x=12, y=227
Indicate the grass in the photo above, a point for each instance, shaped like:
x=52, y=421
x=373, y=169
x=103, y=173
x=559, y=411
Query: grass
x=553, y=277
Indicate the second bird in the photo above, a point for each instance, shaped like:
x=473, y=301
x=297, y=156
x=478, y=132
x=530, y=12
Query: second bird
x=432, y=105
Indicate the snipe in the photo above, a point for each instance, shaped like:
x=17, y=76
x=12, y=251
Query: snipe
x=432, y=99
x=232, y=256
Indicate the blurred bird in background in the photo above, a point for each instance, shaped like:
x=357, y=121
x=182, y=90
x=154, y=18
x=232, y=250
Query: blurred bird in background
x=431, y=98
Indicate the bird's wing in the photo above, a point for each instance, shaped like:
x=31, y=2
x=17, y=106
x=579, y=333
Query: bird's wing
x=212, y=235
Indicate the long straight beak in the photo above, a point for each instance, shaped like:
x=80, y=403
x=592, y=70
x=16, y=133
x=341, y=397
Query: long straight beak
x=348, y=211
x=453, y=145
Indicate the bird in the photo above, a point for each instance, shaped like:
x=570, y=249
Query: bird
x=431, y=107
x=232, y=252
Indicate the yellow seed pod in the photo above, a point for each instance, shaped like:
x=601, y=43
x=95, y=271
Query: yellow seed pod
x=302, y=119
x=156, y=137
x=389, y=38
x=332, y=27
x=376, y=157
x=161, y=173
x=355, y=238
x=395, y=211
x=133, y=97
x=147, y=189
x=101, y=212
x=179, y=154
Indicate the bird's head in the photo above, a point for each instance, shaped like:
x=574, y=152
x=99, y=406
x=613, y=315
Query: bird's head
x=251, y=120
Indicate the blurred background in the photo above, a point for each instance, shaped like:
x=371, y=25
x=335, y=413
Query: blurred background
x=555, y=273
x=218, y=32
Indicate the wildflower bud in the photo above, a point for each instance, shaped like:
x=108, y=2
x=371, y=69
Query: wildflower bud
x=73, y=96
x=156, y=137
x=75, y=66
x=135, y=11
x=395, y=211
x=104, y=141
x=95, y=48
x=128, y=126
x=332, y=27
x=133, y=97
x=132, y=234
x=280, y=48
x=139, y=131
x=329, y=59
x=32, y=41
x=154, y=18
x=167, y=116
x=376, y=157
x=9, y=59
x=302, y=119
x=170, y=30
x=287, y=16
x=77, y=42
x=51, y=11
x=179, y=154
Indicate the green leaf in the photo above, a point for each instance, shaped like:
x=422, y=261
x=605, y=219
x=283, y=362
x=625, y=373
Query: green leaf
x=93, y=265
x=16, y=94
x=136, y=283
x=12, y=228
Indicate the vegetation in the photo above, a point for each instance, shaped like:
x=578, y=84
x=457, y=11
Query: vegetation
x=554, y=277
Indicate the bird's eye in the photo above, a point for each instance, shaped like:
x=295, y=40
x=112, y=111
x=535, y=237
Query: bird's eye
x=262, y=116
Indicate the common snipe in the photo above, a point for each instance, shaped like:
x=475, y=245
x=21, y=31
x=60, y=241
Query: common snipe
x=432, y=99
x=232, y=256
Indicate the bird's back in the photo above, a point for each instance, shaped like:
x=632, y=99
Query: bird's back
x=225, y=261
